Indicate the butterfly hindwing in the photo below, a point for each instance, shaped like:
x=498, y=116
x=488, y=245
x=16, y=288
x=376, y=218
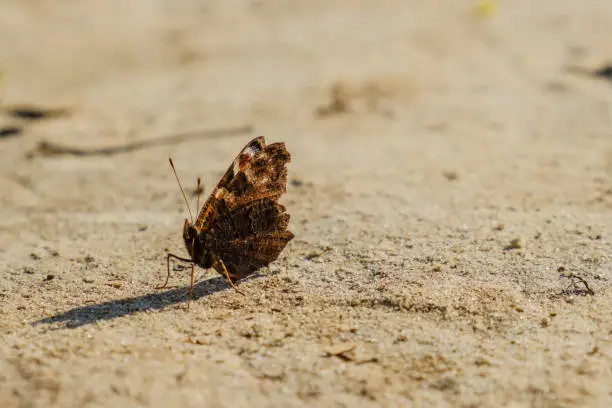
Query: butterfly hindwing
x=245, y=256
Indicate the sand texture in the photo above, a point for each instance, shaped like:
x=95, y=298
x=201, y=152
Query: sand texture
x=450, y=192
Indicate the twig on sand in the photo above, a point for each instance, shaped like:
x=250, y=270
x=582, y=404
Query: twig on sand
x=45, y=148
x=577, y=278
x=573, y=288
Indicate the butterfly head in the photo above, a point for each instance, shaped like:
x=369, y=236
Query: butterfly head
x=190, y=235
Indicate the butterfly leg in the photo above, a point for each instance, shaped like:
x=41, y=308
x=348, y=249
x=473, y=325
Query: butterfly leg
x=191, y=286
x=229, y=280
x=168, y=263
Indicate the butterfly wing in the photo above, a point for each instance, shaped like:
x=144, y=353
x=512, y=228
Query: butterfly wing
x=242, y=223
x=254, y=237
x=257, y=172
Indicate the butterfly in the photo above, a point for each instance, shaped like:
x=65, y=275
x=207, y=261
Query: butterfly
x=241, y=226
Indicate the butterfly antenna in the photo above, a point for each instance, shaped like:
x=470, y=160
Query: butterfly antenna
x=198, y=191
x=182, y=191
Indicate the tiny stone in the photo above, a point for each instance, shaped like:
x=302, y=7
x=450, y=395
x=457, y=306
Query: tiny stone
x=272, y=370
x=312, y=255
x=515, y=243
x=49, y=277
x=481, y=361
x=296, y=182
x=450, y=175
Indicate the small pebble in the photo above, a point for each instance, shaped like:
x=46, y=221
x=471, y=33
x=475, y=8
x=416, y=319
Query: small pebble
x=515, y=243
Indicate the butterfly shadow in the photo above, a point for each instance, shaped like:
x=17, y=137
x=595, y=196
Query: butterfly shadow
x=84, y=315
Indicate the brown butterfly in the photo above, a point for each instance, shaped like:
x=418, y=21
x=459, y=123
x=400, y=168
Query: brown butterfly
x=241, y=227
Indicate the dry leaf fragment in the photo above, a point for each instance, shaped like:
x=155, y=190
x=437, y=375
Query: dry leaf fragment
x=340, y=349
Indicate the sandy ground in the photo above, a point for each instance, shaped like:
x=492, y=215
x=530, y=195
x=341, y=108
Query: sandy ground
x=450, y=193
